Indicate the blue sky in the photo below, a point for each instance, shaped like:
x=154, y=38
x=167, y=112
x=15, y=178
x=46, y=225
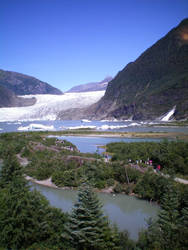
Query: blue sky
x=71, y=42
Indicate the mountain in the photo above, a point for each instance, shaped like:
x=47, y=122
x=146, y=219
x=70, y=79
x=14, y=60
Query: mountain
x=151, y=85
x=93, y=86
x=21, y=84
x=13, y=84
x=9, y=99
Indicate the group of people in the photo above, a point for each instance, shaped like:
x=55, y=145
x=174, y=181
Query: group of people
x=149, y=163
x=158, y=167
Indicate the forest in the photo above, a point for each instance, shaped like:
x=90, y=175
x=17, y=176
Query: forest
x=27, y=221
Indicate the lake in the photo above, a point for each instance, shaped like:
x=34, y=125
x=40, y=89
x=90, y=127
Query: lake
x=129, y=213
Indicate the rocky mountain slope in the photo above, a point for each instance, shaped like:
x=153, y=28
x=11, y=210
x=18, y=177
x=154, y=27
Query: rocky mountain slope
x=152, y=85
x=93, y=86
x=13, y=84
x=9, y=99
x=22, y=84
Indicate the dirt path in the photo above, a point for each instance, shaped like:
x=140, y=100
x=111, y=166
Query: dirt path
x=22, y=160
x=181, y=180
x=48, y=182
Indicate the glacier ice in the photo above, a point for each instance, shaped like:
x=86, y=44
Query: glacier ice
x=35, y=126
x=48, y=106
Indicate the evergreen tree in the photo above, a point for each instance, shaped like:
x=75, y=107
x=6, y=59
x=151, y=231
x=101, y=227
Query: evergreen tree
x=150, y=238
x=169, y=219
x=183, y=227
x=88, y=228
x=165, y=233
x=10, y=170
x=25, y=216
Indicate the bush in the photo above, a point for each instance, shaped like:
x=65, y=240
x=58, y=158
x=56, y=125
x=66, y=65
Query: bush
x=118, y=188
x=110, y=182
x=100, y=184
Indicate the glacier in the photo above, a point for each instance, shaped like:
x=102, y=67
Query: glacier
x=48, y=106
x=36, y=127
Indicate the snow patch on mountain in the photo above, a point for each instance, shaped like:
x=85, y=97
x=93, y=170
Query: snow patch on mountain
x=48, y=106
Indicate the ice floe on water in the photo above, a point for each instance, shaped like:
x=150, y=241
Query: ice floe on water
x=106, y=127
x=80, y=127
x=102, y=127
x=85, y=120
x=35, y=127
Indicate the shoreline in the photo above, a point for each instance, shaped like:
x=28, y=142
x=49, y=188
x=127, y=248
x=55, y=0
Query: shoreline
x=48, y=183
x=130, y=135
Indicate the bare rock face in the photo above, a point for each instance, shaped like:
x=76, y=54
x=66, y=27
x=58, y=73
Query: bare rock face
x=153, y=84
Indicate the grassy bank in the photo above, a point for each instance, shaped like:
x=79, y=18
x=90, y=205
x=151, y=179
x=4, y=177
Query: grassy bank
x=158, y=135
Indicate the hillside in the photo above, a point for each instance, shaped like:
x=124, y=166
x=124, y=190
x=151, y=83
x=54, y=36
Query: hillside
x=153, y=84
x=22, y=84
x=9, y=99
x=93, y=86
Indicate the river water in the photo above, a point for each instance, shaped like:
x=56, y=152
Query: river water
x=88, y=144
x=127, y=212
x=120, y=126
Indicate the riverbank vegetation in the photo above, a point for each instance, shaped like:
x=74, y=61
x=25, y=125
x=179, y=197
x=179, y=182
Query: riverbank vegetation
x=172, y=156
x=130, y=171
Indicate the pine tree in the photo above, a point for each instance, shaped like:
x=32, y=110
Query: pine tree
x=183, y=227
x=169, y=219
x=88, y=228
x=25, y=215
x=10, y=170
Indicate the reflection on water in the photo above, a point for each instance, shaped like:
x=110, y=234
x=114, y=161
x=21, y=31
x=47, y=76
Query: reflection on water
x=127, y=212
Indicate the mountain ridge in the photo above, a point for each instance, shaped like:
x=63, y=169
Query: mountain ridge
x=22, y=84
x=13, y=84
x=151, y=85
x=92, y=86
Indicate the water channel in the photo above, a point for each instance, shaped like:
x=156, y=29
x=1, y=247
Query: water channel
x=88, y=144
x=127, y=212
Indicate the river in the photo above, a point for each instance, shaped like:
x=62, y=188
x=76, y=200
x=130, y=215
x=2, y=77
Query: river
x=88, y=144
x=127, y=212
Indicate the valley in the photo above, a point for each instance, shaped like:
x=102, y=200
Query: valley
x=120, y=145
